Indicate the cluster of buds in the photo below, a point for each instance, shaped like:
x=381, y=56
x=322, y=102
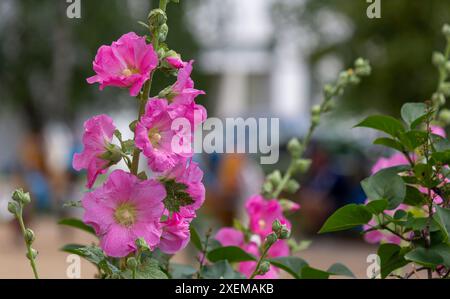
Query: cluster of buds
x=442, y=62
x=16, y=206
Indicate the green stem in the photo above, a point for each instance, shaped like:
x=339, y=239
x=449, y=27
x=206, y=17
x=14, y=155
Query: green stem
x=261, y=258
x=29, y=249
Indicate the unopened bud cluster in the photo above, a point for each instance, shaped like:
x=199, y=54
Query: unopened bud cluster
x=442, y=62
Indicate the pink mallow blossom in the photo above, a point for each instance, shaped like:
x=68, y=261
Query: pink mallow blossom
x=98, y=133
x=124, y=209
x=263, y=213
x=231, y=237
x=183, y=90
x=163, y=145
x=127, y=63
x=175, y=62
x=175, y=231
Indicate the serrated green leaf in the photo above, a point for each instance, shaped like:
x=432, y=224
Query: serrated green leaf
x=413, y=113
x=312, y=273
x=231, y=254
x=341, y=270
x=377, y=206
x=385, y=184
x=389, y=142
x=392, y=257
x=291, y=264
x=77, y=223
x=425, y=257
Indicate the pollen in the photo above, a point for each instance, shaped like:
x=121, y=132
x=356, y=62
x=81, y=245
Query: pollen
x=125, y=214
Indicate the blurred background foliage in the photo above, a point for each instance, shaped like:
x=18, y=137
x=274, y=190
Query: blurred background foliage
x=399, y=46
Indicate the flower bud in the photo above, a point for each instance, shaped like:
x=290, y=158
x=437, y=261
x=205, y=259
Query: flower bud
x=362, y=67
x=113, y=154
x=142, y=244
x=271, y=239
x=328, y=90
x=438, y=99
x=291, y=186
x=264, y=267
x=444, y=116
x=29, y=236
x=32, y=254
x=276, y=226
x=288, y=205
x=267, y=187
x=445, y=88
x=446, y=31
x=438, y=59
x=302, y=165
x=132, y=263
x=13, y=207
x=156, y=18
x=163, y=32
x=275, y=177
x=284, y=233
x=21, y=197
x=295, y=148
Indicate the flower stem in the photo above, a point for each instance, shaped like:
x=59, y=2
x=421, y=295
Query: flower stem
x=261, y=258
x=30, y=254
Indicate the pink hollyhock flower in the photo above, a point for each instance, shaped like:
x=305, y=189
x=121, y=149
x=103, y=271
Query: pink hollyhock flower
x=191, y=176
x=175, y=233
x=263, y=213
x=127, y=63
x=395, y=160
x=184, y=89
x=438, y=131
x=123, y=210
x=231, y=237
x=98, y=133
x=154, y=136
x=175, y=62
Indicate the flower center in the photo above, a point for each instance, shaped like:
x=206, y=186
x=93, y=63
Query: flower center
x=129, y=71
x=262, y=223
x=125, y=214
x=154, y=136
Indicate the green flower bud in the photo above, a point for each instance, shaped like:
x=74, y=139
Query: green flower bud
x=291, y=186
x=288, y=205
x=132, y=263
x=284, y=233
x=13, y=207
x=29, y=236
x=163, y=32
x=267, y=187
x=444, y=116
x=438, y=99
x=33, y=255
x=275, y=177
x=315, y=120
x=328, y=90
x=447, y=66
x=301, y=165
x=113, y=154
x=445, y=88
x=362, y=67
x=271, y=239
x=156, y=18
x=264, y=267
x=21, y=197
x=142, y=244
x=446, y=31
x=316, y=110
x=276, y=226
x=295, y=148
x=438, y=59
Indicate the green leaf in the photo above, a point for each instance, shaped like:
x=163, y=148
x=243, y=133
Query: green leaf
x=414, y=197
x=149, y=269
x=195, y=238
x=413, y=139
x=412, y=113
x=444, y=251
x=220, y=270
x=392, y=257
x=424, y=172
x=385, y=184
x=76, y=223
x=389, y=142
x=231, y=254
x=425, y=257
x=377, y=206
x=177, y=196
x=443, y=218
x=291, y=264
x=341, y=270
x=383, y=123
x=312, y=273
x=179, y=271
x=441, y=157
x=347, y=217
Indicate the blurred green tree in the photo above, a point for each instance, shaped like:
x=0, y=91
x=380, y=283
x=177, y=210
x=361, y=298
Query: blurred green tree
x=399, y=45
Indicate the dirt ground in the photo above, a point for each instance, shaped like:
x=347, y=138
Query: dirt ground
x=53, y=263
